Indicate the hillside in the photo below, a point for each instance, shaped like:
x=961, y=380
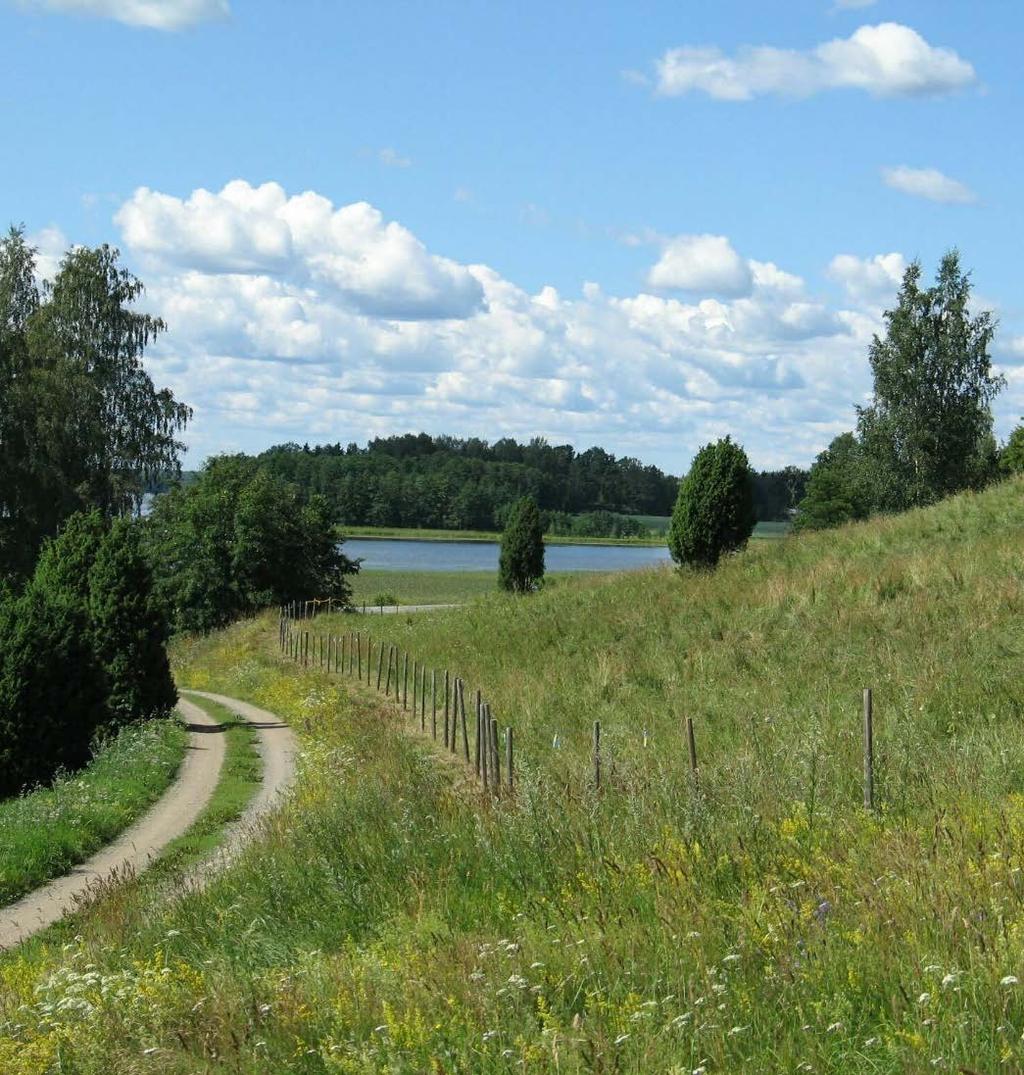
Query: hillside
x=760, y=920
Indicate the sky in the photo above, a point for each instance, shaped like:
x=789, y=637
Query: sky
x=642, y=226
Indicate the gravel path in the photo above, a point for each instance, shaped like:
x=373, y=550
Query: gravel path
x=169, y=818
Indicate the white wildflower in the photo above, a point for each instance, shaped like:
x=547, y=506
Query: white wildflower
x=924, y=998
x=1010, y=979
x=621, y=1038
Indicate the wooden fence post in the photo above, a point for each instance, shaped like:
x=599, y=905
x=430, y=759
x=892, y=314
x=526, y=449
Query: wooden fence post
x=597, y=754
x=869, y=752
x=405, y=681
x=380, y=663
x=691, y=743
x=359, y=649
x=496, y=747
x=447, y=693
x=433, y=700
x=485, y=745
x=423, y=699
x=415, y=680
x=479, y=745
x=508, y=756
x=462, y=721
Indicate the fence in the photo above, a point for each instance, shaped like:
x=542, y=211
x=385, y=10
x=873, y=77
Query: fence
x=353, y=655
x=344, y=654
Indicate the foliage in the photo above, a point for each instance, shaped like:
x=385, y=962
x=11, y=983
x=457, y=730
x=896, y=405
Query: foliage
x=49, y=830
x=81, y=424
x=592, y=524
x=130, y=629
x=238, y=539
x=1011, y=457
x=714, y=512
x=52, y=688
x=521, y=561
x=928, y=430
x=837, y=491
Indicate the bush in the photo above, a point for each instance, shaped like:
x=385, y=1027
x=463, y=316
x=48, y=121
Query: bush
x=52, y=688
x=1011, y=458
x=714, y=512
x=130, y=629
x=521, y=565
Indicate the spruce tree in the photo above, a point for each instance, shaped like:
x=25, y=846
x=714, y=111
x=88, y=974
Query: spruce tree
x=714, y=512
x=130, y=630
x=521, y=565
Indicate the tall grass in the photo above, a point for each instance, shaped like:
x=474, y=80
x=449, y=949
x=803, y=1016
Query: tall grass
x=391, y=918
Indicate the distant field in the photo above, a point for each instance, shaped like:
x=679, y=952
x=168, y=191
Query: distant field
x=399, y=533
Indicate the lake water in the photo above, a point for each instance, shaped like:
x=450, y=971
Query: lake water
x=395, y=555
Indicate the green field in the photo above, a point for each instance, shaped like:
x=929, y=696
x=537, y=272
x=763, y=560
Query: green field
x=47, y=831
x=754, y=919
x=414, y=534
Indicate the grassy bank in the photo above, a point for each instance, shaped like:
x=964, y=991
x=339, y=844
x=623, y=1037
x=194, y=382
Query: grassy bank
x=413, y=534
x=375, y=587
x=46, y=832
x=757, y=920
x=656, y=522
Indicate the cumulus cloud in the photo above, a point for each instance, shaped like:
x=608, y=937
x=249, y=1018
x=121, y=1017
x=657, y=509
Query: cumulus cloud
x=377, y=266
x=154, y=14
x=868, y=281
x=928, y=183
x=279, y=331
x=887, y=60
x=701, y=263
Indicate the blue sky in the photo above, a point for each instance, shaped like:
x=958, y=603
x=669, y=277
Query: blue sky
x=641, y=226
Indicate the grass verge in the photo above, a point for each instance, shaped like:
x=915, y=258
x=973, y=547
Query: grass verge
x=399, y=533
x=377, y=587
x=48, y=831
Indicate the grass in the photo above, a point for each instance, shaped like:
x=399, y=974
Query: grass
x=48, y=831
x=417, y=534
x=757, y=920
x=377, y=587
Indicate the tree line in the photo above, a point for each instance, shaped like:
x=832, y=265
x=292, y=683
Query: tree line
x=448, y=483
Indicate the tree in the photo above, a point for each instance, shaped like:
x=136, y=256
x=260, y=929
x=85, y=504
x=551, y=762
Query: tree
x=81, y=424
x=52, y=689
x=521, y=563
x=238, y=539
x=837, y=489
x=714, y=511
x=129, y=628
x=928, y=431
x=1011, y=458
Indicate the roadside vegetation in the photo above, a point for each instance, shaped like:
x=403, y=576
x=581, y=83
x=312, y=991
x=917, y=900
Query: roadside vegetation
x=47, y=831
x=759, y=919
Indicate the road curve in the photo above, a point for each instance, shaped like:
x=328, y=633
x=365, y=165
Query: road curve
x=169, y=818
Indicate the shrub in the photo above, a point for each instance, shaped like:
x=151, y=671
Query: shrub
x=130, y=629
x=52, y=689
x=714, y=512
x=521, y=565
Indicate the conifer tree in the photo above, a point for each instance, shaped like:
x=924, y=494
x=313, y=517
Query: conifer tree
x=521, y=564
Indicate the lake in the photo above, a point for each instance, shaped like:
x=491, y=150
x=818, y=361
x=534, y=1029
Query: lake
x=385, y=554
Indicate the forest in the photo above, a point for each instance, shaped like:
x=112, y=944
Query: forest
x=449, y=483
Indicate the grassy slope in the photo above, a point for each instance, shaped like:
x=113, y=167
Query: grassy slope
x=393, y=920
x=46, y=832
x=429, y=587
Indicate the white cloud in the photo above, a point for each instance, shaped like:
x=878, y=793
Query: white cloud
x=51, y=244
x=701, y=263
x=378, y=267
x=154, y=14
x=270, y=340
x=391, y=158
x=868, y=281
x=928, y=183
x=887, y=60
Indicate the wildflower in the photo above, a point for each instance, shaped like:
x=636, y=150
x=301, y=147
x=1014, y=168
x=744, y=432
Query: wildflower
x=621, y=1038
x=1010, y=979
x=490, y=1034
x=948, y=980
x=833, y=1028
x=738, y=1030
x=932, y=968
x=868, y=1042
x=732, y=957
x=382, y=1029
x=924, y=998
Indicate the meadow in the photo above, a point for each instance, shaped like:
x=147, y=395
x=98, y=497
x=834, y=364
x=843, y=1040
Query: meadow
x=394, y=918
